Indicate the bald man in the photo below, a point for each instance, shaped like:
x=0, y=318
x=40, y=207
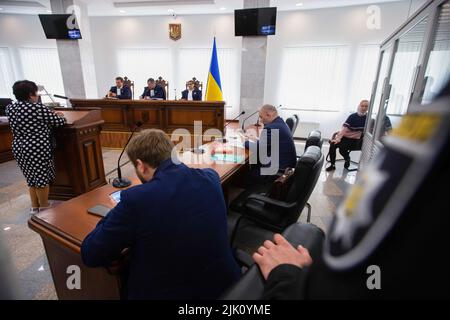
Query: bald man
x=287, y=156
x=349, y=138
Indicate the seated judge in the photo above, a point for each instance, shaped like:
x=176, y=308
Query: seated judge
x=174, y=224
x=120, y=90
x=287, y=156
x=350, y=136
x=153, y=91
x=191, y=93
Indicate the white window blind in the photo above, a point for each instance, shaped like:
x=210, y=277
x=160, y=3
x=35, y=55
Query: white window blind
x=195, y=62
x=6, y=78
x=363, y=74
x=41, y=65
x=314, y=77
x=140, y=64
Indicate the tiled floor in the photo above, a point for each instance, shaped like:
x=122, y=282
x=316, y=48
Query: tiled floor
x=25, y=246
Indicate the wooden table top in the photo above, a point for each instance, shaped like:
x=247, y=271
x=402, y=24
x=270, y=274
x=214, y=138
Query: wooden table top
x=69, y=222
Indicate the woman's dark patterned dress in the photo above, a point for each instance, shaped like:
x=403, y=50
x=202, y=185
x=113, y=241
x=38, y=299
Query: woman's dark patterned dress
x=31, y=125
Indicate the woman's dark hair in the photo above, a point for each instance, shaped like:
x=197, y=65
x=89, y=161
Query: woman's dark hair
x=24, y=89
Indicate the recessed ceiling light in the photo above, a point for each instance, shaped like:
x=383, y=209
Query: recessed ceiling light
x=223, y=8
x=49, y=11
x=122, y=11
x=299, y=4
x=170, y=11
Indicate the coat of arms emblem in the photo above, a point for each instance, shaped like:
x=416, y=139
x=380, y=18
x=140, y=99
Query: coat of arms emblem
x=175, y=31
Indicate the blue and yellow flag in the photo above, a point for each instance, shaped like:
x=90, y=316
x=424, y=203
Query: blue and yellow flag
x=213, y=86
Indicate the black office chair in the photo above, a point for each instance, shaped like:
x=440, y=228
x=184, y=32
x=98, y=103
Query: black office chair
x=251, y=284
x=292, y=123
x=4, y=102
x=276, y=215
x=314, y=139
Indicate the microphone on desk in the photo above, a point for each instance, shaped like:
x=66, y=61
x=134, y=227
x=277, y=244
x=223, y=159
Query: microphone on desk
x=230, y=121
x=120, y=182
x=224, y=140
x=61, y=97
x=243, y=122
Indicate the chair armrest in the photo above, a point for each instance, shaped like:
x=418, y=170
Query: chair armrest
x=243, y=258
x=276, y=203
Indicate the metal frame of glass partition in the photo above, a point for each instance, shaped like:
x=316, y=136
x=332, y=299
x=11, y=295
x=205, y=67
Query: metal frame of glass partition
x=431, y=12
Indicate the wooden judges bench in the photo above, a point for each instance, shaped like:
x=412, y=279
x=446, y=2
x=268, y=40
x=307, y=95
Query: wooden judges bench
x=64, y=227
x=120, y=116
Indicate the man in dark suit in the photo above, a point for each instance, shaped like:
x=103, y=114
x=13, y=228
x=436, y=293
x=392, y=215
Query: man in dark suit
x=191, y=93
x=275, y=136
x=120, y=90
x=174, y=224
x=153, y=91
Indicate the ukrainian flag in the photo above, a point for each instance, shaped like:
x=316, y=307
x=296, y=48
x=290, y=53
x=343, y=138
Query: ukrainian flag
x=213, y=86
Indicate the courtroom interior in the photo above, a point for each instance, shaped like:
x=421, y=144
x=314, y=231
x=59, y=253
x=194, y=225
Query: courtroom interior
x=224, y=149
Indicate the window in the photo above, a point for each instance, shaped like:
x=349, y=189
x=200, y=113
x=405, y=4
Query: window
x=314, y=78
x=7, y=79
x=41, y=65
x=438, y=68
x=195, y=62
x=364, y=73
x=139, y=64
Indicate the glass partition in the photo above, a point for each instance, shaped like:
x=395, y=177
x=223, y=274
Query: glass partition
x=403, y=77
x=438, y=67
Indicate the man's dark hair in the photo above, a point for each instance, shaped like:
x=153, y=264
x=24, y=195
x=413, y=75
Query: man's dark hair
x=24, y=89
x=151, y=80
x=119, y=78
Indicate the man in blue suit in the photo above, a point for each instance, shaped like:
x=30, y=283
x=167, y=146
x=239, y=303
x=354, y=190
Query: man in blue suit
x=153, y=91
x=174, y=224
x=286, y=156
x=191, y=93
x=120, y=90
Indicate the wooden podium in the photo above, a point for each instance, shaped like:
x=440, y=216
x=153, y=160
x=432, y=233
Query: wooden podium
x=78, y=155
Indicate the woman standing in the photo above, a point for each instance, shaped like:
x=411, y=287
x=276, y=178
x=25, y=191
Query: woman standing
x=31, y=123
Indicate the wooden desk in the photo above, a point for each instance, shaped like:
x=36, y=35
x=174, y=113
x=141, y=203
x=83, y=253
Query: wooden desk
x=6, y=138
x=122, y=115
x=64, y=227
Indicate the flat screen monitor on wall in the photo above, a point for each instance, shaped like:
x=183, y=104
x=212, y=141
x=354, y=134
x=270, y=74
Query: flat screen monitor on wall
x=59, y=26
x=255, y=22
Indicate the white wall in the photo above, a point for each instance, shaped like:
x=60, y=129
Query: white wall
x=112, y=33
x=334, y=26
x=345, y=25
x=18, y=31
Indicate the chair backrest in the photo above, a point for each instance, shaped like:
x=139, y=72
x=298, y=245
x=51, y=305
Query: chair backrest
x=307, y=172
x=296, y=120
x=130, y=84
x=197, y=84
x=292, y=123
x=4, y=102
x=314, y=139
x=163, y=84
